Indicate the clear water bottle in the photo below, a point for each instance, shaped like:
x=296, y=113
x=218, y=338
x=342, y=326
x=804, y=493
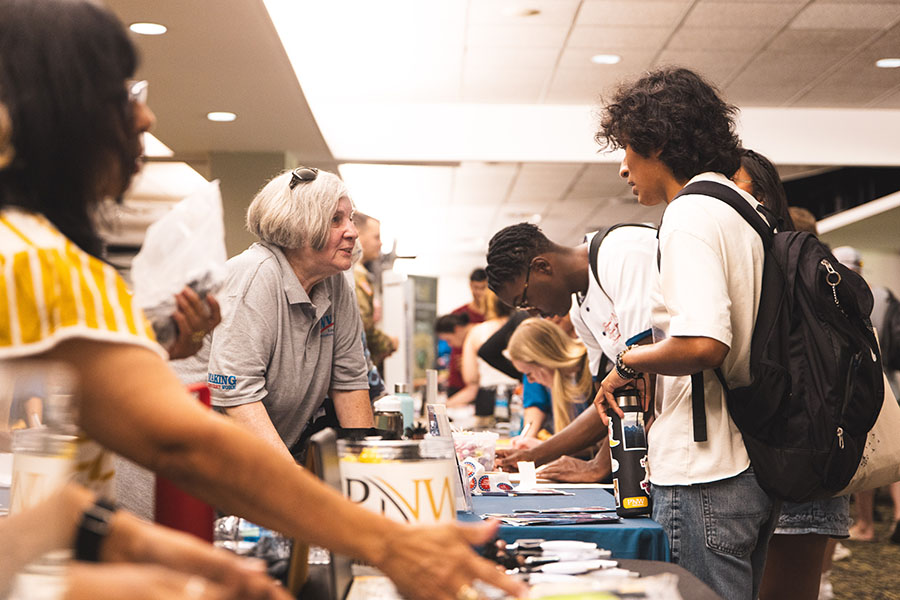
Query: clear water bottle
x=516, y=412
x=628, y=447
x=501, y=405
x=44, y=455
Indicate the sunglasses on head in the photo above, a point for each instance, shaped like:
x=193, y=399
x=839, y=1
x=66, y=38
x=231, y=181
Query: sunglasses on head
x=137, y=91
x=302, y=174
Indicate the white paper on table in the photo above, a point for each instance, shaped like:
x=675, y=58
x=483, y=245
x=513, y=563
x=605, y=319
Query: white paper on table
x=527, y=475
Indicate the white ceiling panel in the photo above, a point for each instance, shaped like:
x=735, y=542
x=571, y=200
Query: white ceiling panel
x=858, y=1
x=542, y=182
x=559, y=228
x=715, y=66
x=505, y=12
x=497, y=60
x=718, y=38
x=745, y=93
x=597, y=182
x=600, y=38
x=891, y=100
x=788, y=69
x=518, y=35
x=575, y=86
x=479, y=183
x=629, y=12
x=625, y=210
x=633, y=62
x=857, y=82
x=756, y=15
x=807, y=40
x=514, y=86
x=822, y=15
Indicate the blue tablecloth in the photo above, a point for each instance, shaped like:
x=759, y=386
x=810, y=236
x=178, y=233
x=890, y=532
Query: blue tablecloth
x=639, y=537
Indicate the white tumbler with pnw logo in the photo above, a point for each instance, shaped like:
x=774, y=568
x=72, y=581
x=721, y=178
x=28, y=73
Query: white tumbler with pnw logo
x=409, y=481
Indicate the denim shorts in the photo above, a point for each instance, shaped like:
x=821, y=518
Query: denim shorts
x=829, y=517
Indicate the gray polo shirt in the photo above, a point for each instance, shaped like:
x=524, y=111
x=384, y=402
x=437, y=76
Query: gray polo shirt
x=277, y=345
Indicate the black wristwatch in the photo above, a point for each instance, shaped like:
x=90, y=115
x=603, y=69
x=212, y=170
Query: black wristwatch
x=623, y=370
x=93, y=529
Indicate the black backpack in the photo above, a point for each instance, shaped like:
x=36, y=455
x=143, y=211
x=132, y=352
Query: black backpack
x=889, y=334
x=593, y=250
x=816, y=381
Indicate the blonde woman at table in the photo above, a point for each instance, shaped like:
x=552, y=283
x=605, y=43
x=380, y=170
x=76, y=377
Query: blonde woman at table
x=545, y=354
x=76, y=127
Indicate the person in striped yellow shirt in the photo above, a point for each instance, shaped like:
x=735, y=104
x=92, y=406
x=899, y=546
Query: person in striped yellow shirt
x=75, y=138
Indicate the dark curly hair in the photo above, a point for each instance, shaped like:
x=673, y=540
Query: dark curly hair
x=677, y=112
x=767, y=186
x=510, y=252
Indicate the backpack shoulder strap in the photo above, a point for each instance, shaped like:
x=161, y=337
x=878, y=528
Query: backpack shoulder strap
x=730, y=197
x=594, y=248
x=765, y=231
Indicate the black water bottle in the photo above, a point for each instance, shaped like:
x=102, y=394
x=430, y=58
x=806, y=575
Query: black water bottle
x=628, y=446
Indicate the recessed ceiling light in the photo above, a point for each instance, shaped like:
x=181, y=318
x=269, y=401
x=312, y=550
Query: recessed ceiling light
x=520, y=11
x=605, y=59
x=888, y=63
x=148, y=28
x=221, y=117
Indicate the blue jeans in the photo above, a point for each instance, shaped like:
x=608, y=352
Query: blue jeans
x=719, y=531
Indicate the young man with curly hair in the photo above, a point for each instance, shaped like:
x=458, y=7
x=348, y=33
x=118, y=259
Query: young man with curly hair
x=675, y=130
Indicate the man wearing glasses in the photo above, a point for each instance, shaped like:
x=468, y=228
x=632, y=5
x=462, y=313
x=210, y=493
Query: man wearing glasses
x=530, y=272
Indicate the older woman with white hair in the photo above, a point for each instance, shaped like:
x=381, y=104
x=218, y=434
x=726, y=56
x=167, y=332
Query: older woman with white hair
x=291, y=334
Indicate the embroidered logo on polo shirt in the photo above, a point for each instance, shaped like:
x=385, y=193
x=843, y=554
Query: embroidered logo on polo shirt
x=326, y=326
x=217, y=381
x=611, y=328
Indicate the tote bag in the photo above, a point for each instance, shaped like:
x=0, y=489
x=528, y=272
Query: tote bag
x=880, y=462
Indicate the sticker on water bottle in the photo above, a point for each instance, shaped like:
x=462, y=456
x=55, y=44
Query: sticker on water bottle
x=635, y=502
x=633, y=436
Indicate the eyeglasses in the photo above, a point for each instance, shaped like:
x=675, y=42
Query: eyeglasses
x=137, y=91
x=303, y=174
x=522, y=304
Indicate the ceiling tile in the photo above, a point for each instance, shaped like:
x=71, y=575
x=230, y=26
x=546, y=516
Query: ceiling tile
x=578, y=58
x=858, y=82
x=502, y=12
x=519, y=35
x=599, y=181
x=599, y=38
x=542, y=182
x=629, y=12
x=846, y=16
x=718, y=38
x=479, y=183
x=513, y=86
x=891, y=100
x=780, y=68
x=800, y=40
x=624, y=210
x=716, y=66
x=744, y=14
x=498, y=60
x=742, y=93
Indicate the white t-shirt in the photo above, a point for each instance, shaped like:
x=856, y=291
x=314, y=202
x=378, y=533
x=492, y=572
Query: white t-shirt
x=710, y=278
x=626, y=264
